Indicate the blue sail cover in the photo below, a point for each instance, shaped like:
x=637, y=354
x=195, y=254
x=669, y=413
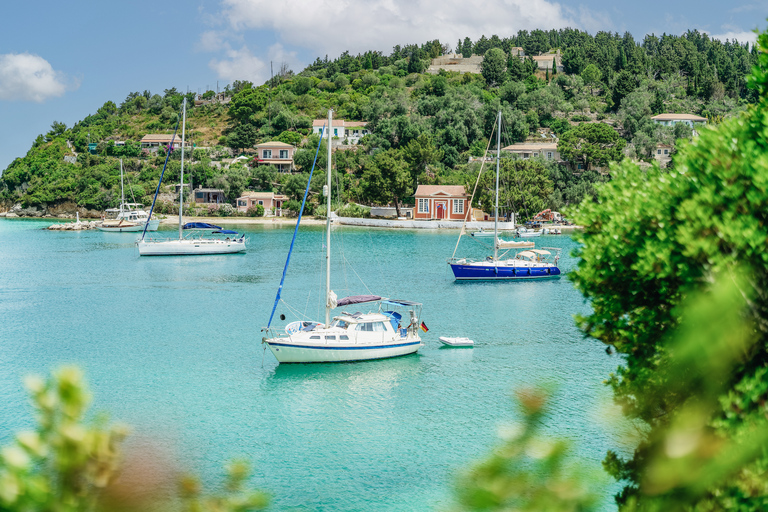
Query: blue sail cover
x=200, y=225
x=357, y=299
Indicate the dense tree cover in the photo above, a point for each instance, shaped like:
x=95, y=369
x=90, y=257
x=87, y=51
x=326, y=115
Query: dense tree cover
x=607, y=77
x=652, y=240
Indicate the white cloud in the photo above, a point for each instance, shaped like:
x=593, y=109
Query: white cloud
x=28, y=77
x=742, y=36
x=332, y=26
x=240, y=65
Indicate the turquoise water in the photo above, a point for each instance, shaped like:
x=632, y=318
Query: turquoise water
x=171, y=345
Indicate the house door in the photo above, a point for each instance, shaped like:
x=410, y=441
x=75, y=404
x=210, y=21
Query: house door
x=440, y=210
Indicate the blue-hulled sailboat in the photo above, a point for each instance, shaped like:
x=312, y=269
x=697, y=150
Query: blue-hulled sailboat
x=528, y=264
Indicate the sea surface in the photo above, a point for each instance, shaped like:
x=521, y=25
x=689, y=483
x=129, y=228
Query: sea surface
x=172, y=346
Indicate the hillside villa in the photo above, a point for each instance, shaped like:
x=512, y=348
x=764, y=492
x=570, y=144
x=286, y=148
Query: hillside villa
x=276, y=153
x=153, y=141
x=672, y=119
x=349, y=131
x=526, y=150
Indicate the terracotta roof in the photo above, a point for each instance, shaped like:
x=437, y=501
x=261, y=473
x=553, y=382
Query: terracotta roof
x=337, y=123
x=445, y=190
x=160, y=137
x=531, y=146
x=259, y=195
x=274, y=144
x=678, y=117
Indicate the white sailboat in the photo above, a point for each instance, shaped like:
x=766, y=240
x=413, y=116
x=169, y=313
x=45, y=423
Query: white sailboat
x=388, y=329
x=228, y=242
x=130, y=217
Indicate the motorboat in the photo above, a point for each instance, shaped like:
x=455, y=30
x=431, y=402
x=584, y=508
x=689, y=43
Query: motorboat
x=195, y=242
x=389, y=328
x=456, y=342
x=527, y=232
x=527, y=264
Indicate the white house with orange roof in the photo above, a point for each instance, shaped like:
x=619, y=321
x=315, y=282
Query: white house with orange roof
x=446, y=202
x=526, y=150
x=349, y=131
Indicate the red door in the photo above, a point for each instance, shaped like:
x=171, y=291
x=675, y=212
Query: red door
x=440, y=210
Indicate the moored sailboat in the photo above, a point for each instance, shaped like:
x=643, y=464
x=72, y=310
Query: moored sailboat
x=129, y=217
x=526, y=264
x=389, y=329
x=229, y=242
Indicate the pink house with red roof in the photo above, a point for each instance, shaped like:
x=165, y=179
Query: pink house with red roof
x=441, y=202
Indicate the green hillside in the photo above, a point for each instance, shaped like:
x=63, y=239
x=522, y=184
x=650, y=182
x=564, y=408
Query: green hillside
x=424, y=126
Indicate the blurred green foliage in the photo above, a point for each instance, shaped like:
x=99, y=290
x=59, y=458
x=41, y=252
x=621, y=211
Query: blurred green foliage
x=652, y=240
x=68, y=465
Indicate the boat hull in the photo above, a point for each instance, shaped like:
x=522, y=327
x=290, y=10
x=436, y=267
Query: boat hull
x=131, y=228
x=490, y=272
x=189, y=247
x=287, y=352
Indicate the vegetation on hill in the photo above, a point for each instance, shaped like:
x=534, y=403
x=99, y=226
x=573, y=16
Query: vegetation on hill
x=424, y=127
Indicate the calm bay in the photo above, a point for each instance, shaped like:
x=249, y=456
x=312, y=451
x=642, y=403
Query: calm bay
x=172, y=346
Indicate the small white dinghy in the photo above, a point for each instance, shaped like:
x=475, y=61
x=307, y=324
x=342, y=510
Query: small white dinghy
x=456, y=342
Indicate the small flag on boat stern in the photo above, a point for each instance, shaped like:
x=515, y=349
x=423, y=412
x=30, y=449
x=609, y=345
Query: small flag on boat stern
x=424, y=327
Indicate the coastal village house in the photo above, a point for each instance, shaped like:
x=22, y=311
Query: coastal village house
x=663, y=154
x=349, y=131
x=152, y=141
x=672, y=119
x=276, y=153
x=208, y=195
x=448, y=202
x=272, y=203
x=526, y=150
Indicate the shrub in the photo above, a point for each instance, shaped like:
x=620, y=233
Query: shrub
x=225, y=210
x=255, y=210
x=354, y=210
x=577, y=118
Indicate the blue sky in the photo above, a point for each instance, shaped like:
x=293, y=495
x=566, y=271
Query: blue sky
x=60, y=61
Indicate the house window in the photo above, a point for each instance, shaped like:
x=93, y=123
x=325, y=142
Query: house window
x=284, y=153
x=580, y=166
x=658, y=151
x=242, y=203
x=458, y=206
x=666, y=151
x=550, y=155
x=261, y=202
x=266, y=153
x=423, y=205
x=335, y=132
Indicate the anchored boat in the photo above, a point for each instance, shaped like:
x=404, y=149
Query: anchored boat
x=389, y=328
x=527, y=264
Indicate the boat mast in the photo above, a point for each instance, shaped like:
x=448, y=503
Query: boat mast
x=496, y=221
x=181, y=181
x=328, y=226
x=122, y=188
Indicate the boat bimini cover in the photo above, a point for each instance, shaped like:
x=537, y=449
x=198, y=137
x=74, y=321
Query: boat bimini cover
x=394, y=318
x=357, y=299
x=200, y=225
